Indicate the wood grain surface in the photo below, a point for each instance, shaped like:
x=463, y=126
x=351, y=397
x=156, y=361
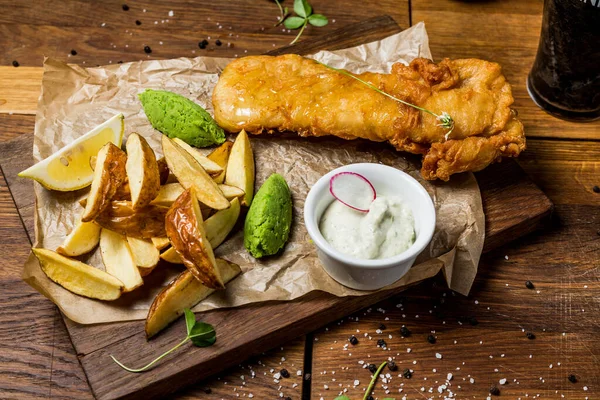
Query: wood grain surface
x=39, y=361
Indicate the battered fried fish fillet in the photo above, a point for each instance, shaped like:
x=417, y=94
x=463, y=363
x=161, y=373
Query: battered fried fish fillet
x=292, y=93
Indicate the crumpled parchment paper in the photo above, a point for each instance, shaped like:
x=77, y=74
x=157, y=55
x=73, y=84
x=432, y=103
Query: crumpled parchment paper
x=75, y=99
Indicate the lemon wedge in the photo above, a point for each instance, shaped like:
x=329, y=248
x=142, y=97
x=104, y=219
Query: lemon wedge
x=70, y=168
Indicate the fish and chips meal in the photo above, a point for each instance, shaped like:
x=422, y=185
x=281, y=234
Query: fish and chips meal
x=142, y=210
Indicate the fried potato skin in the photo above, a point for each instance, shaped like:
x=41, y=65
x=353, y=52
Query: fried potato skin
x=145, y=223
x=109, y=174
x=185, y=230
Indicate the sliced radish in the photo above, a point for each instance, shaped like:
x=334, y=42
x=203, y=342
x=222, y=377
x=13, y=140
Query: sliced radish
x=353, y=190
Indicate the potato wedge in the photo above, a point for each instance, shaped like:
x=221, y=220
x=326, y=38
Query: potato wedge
x=145, y=255
x=160, y=242
x=185, y=230
x=109, y=174
x=170, y=255
x=77, y=277
x=220, y=155
x=185, y=291
x=168, y=194
x=216, y=227
x=145, y=223
x=123, y=192
x=191, y=175
x=240, y=167
x=221, y=223
x=211, y=167
x=142, y=171
x=82, y=239
x=118, y=259
x=163, y=170
x=231, y=192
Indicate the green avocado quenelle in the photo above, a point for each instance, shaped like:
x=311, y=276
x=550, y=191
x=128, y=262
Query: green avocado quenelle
x=269, y=218
x=179, y=117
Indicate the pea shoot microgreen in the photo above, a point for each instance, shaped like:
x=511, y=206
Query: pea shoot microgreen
x=200, y=334
x=283, y=11
x=370, y=387
x=444, y=119
x=304, y=16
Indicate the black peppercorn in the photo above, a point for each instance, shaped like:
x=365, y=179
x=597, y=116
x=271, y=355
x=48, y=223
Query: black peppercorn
x=125, y=7
x=407, y=374
x=404, y=331
x=15, y=63
x=382, y=343
x=473, y=321
x=207, y=390
x=494, y=390
x=138, y=22
x=530, y=335
x=382, y=327
x=596, y=189
x=147, y=49
x=372, y=368
x=218, y=42
x=353, y=340
x=73, y=52
x=284, y=372
x=572, y=378
x=431, y=339
x=392, y=366
x=529, y=285
x=370, y=398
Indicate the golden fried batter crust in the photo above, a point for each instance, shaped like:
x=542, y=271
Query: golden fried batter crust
x=264, y=94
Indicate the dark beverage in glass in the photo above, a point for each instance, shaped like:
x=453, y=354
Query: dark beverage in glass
x=565, y=78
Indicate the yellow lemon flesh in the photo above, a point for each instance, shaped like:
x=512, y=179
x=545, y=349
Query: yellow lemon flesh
x=70, y=168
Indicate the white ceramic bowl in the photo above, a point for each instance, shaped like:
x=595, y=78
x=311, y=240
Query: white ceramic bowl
x=371, y=274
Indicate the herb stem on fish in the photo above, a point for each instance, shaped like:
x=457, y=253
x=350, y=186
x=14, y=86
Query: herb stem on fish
x=444, y=118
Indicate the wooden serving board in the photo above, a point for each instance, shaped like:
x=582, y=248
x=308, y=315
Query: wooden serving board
x=513, y=204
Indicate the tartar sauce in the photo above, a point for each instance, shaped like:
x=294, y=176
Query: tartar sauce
x=385, y=231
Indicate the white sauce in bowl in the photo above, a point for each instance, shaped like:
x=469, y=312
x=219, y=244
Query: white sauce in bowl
x=388, y=229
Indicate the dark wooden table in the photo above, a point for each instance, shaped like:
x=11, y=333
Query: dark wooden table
x=481, y=339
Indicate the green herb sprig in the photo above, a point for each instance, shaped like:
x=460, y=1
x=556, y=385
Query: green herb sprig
x=200, y=334
x=304, y=17
x=370, y=387
x=444, y=118
x=283, y=11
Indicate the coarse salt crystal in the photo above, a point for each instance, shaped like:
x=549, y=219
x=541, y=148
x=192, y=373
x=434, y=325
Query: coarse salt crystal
x=449, y=377
x=502, y=381
x=438, y=355
x=356, y=382
x=171, y=13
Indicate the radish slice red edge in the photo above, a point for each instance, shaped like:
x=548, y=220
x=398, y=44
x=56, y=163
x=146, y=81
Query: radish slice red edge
x=353, y=190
